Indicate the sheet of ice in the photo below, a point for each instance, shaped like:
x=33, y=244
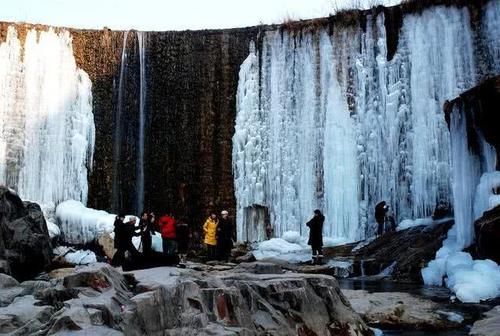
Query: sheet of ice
x=485, y=198
x=46, y=122
x=331, y=242
x=325, y=120
x=76, y=257
x=408, y=223
x=451, y=316
x=363, y=243
x=54, y=230
x=388, y=270
x=339, y=263
x=80, y=225
x=81, y=257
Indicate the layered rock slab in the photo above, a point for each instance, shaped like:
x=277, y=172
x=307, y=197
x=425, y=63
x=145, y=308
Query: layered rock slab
x=100, y=300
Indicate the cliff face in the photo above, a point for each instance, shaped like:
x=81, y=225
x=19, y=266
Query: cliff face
x=191, y=78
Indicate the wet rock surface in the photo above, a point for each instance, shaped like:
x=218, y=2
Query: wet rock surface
x=394, y=310
x=489, y=326
x=405, y=251
x=255, y=300
x=24, y=239
x=487, y=230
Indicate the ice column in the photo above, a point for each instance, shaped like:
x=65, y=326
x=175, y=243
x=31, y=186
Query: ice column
x=48, y=126
x=249, y=151
x=341, y=172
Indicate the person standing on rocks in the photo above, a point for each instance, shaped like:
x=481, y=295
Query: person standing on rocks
x=123, y=240
x=146, y=230
x=182, y=239
x=224, y=236
x=210, y=234
x=316, y=236
x=380, y=211
x=168, y=235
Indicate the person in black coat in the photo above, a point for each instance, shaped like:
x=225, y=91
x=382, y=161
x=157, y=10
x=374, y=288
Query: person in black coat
x=183, y=235
x=147, y=229
x=123, y=240
x=224, y=236
x=380, y=211
x=316, y=236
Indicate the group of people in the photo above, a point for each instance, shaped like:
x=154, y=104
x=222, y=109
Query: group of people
x=218, y=236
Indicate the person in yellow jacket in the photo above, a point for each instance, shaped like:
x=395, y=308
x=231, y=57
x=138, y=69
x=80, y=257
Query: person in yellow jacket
x=210, y=233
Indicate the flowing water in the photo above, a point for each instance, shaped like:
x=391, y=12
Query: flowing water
x=139, y=206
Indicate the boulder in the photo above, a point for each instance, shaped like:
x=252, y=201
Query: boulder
x=99, y=300
x=487, y=230
x=489, y=326
x=402, y=254
x=108, y=245
x=390, y=310
x=181, y=301
x=24, y=238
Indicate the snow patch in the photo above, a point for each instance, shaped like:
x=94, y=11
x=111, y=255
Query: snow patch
x=292, y=247
x=81, y=257
x=292, y=237
x=81, y=225
x=471, y=280
x=408, y=223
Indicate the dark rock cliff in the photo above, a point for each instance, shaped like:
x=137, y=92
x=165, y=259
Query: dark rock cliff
x=191, y=80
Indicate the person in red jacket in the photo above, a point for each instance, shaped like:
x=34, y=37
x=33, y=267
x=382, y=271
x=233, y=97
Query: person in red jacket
x=168, y=235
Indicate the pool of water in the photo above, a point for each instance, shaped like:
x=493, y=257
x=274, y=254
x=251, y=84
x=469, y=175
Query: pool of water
x=457, y=332
x=470, y=312
x=379, y=285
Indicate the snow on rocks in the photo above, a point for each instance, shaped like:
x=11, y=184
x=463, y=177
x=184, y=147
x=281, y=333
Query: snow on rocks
x=471, y=280
x=75, y=257
x=80, y=225
x=408, y=223
x=291, y=247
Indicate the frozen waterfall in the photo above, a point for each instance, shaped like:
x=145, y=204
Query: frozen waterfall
x=46, y=121
x=325, y=120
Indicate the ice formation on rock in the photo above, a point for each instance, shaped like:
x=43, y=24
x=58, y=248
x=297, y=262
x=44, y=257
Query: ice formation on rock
x=325, y=120
x=46, y=121
x=80, y=225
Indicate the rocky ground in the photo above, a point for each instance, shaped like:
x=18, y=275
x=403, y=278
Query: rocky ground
x=251, y=299
x=489, y=326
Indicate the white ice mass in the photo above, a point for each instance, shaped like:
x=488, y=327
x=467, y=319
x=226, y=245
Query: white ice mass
x=325, y=121
x=46, y=121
